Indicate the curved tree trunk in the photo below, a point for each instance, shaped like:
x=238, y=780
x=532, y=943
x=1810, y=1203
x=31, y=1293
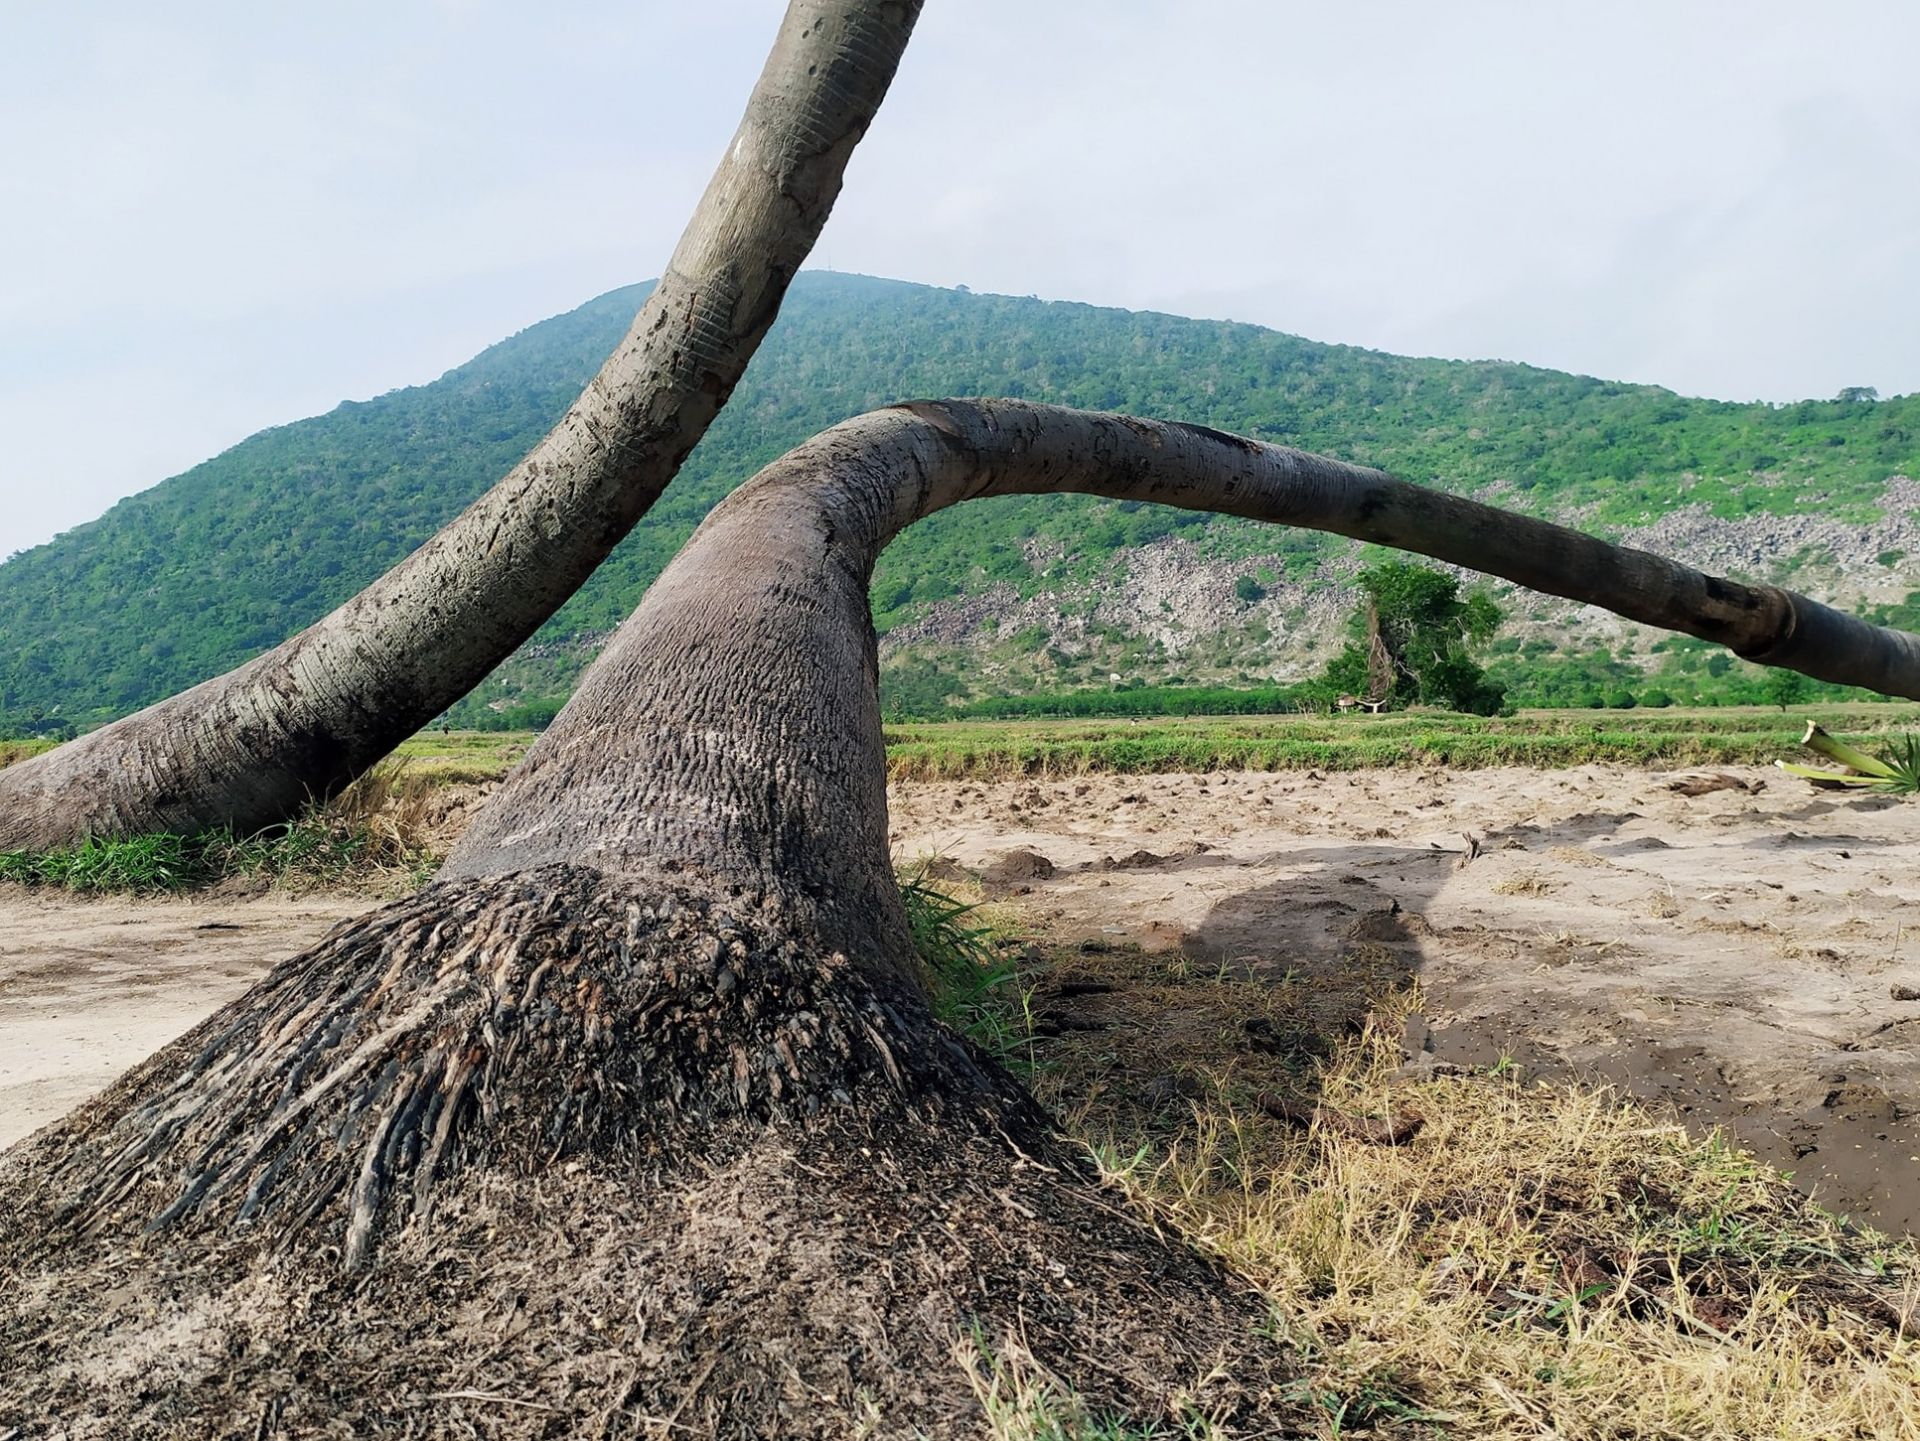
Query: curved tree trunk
x=754, y=648
x=251, y=747
x=638, y=1116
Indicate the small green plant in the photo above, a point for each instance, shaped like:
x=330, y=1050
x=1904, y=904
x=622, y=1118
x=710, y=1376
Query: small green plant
x=1374, y=1400
x=975, y=987
x=1023, y=1402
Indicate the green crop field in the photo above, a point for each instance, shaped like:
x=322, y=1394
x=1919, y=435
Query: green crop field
x=1672, y=737
x=983, y=749
x=1721, y=735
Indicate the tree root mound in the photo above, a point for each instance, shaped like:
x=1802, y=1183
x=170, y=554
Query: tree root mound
x=811, y=1284
x=545, y=1155
x=514, y=1022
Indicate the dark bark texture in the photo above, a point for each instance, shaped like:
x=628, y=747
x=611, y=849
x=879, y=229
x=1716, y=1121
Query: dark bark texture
x=517, y=1022
x=251, y=747
x=565, y=1152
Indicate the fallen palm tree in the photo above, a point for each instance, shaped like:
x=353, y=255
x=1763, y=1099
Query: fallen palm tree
x=254, y=747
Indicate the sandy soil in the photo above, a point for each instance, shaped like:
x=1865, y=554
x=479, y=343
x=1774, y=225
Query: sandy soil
x=1730, y=956
x=89, y=987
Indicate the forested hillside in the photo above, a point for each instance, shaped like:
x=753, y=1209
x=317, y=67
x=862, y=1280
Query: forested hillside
x=203, y=570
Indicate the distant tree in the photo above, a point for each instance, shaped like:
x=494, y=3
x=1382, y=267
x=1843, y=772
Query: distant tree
x=1857, y=395
x=1785, y=687
x=1249, y=590
x=1418, y=629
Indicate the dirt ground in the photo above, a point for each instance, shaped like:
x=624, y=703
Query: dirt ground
x=89, y=987
x=1732, y=956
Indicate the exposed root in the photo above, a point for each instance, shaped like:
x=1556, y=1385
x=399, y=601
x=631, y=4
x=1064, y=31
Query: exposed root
x=540, y=1156
x=806, y=1285
x=1394, y=1131
x=514, y=1022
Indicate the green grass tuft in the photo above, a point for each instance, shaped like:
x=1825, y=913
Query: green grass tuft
x=371, y=834
x=975, y=984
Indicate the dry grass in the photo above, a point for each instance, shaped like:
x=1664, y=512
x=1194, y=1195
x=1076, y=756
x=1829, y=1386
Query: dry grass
x=1525, y=883
x=1023, y=1401
x=1538, y=1261
x=385, y=834
x=1574, y=856
x=1541, y=1261
x=12, y=752
x=388, y=814
x=1663, y=905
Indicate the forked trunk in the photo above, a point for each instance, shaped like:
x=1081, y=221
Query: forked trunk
x=637, y=1119
x=249, y=748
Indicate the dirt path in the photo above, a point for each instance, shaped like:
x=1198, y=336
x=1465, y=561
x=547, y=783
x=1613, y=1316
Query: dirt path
x=90, y=987
x=1729, y=955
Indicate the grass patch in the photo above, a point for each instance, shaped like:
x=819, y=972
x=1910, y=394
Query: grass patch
x=985, y=749
x=462, y=757
x=1526, y=883
x=372, y=836
x=1023, y=1402
x=972, y=975
x=1541, y=1260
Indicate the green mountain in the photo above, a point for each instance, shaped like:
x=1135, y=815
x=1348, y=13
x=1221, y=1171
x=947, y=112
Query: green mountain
x=196, y=574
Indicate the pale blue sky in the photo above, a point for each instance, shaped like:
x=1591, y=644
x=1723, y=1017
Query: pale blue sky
x=222, y=216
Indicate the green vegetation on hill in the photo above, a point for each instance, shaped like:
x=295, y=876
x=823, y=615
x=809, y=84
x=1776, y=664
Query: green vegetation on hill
x=194, y=575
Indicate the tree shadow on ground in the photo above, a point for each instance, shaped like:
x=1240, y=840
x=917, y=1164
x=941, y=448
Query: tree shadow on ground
x=1276, y=976
x=1246, y=1004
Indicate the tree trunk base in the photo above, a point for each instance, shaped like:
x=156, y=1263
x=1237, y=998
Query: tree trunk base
x=819, y=1279
x=557, y=1154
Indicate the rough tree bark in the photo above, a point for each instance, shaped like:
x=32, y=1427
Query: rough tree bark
x=251, y=747
x=638, y=1117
